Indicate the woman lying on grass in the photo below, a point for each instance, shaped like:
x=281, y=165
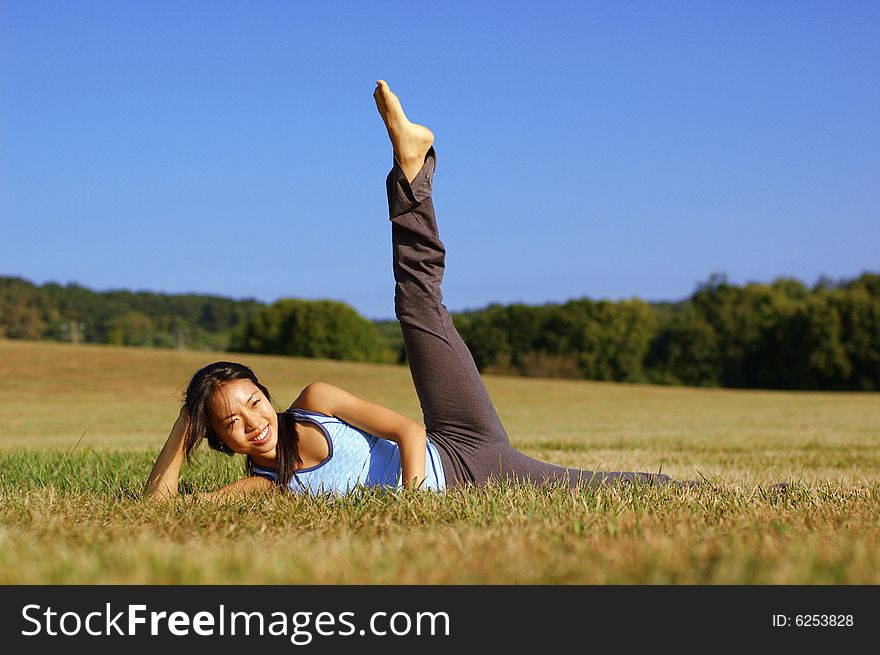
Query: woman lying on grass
x=332, y=441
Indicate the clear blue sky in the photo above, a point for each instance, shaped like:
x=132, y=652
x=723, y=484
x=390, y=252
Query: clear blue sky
x=602, y=149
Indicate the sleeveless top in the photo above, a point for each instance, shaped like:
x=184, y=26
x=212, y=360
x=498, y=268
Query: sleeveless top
x=355, y=459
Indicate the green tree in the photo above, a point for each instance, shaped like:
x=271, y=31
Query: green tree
x=813, y=355
x=686, y=351
x=132, y=328
x=305, y=328
x=858, y=307
x=615, y=340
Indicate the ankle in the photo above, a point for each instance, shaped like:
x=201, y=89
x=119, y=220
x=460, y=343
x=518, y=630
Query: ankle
x=410, y=160
x=410, y=165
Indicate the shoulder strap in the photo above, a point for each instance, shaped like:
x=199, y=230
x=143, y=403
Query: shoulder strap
x=296, y=411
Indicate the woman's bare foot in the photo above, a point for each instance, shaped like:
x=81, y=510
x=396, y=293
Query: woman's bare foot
x=411, y=142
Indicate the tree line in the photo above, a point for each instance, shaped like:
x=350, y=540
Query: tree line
x=782, y=335
x=80, y=315
x=319, y=328
x=778, y=336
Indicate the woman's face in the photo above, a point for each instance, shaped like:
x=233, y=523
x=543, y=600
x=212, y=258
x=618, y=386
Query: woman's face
x=245, y=420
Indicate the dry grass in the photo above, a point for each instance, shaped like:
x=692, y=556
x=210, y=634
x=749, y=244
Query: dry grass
x=76, y=517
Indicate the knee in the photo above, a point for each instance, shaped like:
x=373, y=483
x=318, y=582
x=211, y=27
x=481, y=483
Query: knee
x=414, y=302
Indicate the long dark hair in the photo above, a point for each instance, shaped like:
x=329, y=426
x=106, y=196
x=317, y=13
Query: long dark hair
x=202, y=386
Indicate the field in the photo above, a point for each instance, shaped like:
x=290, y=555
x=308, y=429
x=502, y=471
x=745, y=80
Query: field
x=82, y=424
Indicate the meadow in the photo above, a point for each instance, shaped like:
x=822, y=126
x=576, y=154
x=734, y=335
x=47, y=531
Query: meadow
x=80, y=426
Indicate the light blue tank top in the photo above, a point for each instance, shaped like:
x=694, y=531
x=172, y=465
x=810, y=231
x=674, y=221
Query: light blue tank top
x=355, y=458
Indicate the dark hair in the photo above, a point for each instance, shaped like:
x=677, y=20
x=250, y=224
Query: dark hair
x=202, y=387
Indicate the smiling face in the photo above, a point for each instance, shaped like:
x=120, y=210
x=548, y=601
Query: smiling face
x=244, y=419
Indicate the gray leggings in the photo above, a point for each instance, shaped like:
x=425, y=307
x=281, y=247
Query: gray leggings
x=459, y=415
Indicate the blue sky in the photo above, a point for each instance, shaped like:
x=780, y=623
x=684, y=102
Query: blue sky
x=602, y=149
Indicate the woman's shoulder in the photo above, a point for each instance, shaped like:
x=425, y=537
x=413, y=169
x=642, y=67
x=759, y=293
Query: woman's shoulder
x=318, y=398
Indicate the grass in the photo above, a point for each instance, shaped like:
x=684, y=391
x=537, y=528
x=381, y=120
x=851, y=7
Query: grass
x=82, y=425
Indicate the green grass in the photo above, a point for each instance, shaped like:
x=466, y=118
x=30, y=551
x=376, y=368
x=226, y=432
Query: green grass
x=71, y=510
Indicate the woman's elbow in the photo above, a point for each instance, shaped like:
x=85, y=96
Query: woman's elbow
x=413, y=436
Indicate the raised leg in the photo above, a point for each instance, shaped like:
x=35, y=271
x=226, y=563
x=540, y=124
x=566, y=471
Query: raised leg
x=458, y=413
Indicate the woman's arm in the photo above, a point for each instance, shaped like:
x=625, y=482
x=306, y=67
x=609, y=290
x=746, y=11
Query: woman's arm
x=374, y=419
x=239, y=488
x=163, y=479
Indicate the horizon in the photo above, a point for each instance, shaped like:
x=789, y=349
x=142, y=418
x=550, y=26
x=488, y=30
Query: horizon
x=607, y=151
x=464, y=310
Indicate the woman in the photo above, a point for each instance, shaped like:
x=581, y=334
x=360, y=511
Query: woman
x=332, y=441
